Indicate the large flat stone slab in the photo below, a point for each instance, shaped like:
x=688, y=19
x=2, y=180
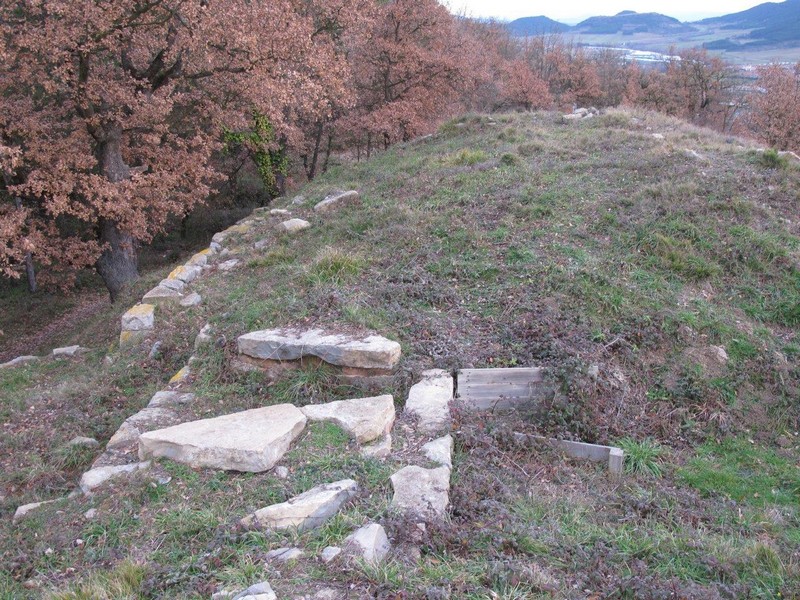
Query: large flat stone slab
x=162, y=296
x=19, y=361
x=368, y=352
x=429, y=400
x=366, y=419
x=94, y=478
x=422, y=492
x=308, y=510
x=251, y=440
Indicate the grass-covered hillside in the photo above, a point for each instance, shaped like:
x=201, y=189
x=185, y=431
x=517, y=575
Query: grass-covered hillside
x=651, y=267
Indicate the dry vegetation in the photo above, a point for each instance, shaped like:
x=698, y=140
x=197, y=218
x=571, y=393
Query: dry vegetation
x=500, y=241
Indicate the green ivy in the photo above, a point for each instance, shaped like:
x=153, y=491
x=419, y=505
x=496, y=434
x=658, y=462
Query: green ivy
x=270, y=158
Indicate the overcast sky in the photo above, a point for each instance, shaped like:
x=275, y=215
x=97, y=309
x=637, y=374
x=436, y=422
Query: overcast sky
x=574, y=10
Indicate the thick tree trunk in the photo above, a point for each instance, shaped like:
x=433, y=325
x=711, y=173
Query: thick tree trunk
x=118, y=264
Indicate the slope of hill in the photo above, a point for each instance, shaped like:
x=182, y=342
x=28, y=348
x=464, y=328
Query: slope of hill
x=531, y=26
x=654, y=278
x=771, y=23
x=629, y=22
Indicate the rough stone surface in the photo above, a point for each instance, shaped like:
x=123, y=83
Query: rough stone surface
x=199, y=260
x=68, y=351
x=94, y=478
x=369, y=542
x=181, y=376
x=329, y=553
x=370, y=352
x=440, y=451
x=281, y=212
x=282, y=472
x=192, y=299
x=284, y=554
x=423, y=492
x=366, y=419
x=204, y=337
x=173, y=284
x=161, y=295
x=25, y=509
x=20, y=360
x=83, y=441
x=308, y=510
x=165, y=399
x=130, y=338
x=259, y=591
x=332, y=200
x=139, y=318
x=429, y=400
x=298, y=200
x=252, y=440
x=229, y=265
x=380, y=448
x=186, y=273
x=294, y=225
x=261, y=244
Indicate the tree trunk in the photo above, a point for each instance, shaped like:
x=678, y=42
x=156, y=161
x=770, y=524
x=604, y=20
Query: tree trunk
x=327, y=153
x=30, y=269
x=118, y=264
x=311, y=171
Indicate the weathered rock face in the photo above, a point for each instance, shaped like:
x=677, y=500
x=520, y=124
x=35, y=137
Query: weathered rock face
x=429, y=400
x=294, y=225
x=192, y=299
x=199, y=260
x=259, y=591
x=380, y=448
x=94, y=478
x=306, y=511
x=185, y=273
x=68, y=351
x=440, y=451
x=370, y=352
x=252, y=440
x=19, y=361
x=173, y=284
x=229, y=265
x=333, y=200
x=368, y=542
x=139, y=318
x=204, y=337
x=25, y=509
x=280, y=212
x=366, y=419
x=161, y=296
x=423, y=492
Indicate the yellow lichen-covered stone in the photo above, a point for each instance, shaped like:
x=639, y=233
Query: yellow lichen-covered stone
x=129, y=338
x=139, y=318
x=186, y=273
x=181, y=375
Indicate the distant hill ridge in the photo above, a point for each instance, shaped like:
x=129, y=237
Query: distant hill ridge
x=770, y=24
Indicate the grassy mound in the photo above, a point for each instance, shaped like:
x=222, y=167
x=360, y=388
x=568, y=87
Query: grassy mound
x=657, y=280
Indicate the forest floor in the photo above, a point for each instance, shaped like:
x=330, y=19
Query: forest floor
x=656, y=278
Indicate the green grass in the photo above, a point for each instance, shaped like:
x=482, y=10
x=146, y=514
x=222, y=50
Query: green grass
x=745, y=472
x=642, y=458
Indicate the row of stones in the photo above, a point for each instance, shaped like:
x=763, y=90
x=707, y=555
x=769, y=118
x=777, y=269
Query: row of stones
x=65, y=352
x=139, y=321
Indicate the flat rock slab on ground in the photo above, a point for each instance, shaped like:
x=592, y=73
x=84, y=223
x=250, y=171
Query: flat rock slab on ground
x=308, y=510
x=25, y=509
x=368, y=542
x=251, y=440
x=68, y=351
x=429, y=400
x=294, y=225
x=332, y=200
x=369, y=352
x=366, y=419
x=94, y=478
x=19, y=361
x=423, y=492
x=192, y=299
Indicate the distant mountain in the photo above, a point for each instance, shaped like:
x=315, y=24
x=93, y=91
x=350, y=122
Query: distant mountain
x=630, y=22
x=536, y=26
x=771, y=23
